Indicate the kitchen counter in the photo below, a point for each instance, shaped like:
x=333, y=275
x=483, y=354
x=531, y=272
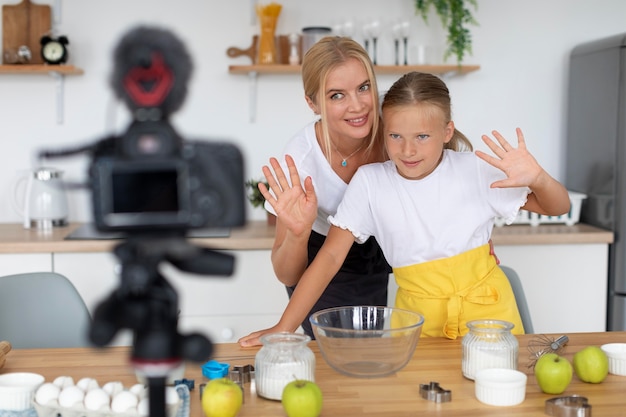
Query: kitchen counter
x=435, y=359
x=258, y=235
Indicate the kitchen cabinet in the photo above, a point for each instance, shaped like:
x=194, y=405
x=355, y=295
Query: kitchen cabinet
x=253, y=71
x=563, y=270
x=224, y=308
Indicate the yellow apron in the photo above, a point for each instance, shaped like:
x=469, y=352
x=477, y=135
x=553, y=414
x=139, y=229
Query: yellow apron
x=450, y=292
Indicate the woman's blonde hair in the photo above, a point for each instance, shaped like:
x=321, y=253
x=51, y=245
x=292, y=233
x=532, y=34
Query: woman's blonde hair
x=422, y=88
x=323, y=57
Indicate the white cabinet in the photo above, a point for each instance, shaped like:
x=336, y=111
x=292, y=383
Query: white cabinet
x=18, y=263
x=565, y=285
x=224, y=308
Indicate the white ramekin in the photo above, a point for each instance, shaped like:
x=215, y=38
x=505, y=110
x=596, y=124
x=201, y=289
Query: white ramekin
x=616, y=352
x=17, y=390
x=501, y=387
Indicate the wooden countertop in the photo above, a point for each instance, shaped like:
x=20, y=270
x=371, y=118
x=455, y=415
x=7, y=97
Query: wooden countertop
x=435, y=359
x=258, y=235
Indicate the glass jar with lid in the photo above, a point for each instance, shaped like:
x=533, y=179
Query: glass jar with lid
x=283, y=358
x=489, y=344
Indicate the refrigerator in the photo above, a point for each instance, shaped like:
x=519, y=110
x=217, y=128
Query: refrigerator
x=596, y=152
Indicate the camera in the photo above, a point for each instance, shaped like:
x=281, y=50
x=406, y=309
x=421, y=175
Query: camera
x=151, y=180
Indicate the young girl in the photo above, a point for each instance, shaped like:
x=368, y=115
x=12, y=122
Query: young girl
x=432, y=211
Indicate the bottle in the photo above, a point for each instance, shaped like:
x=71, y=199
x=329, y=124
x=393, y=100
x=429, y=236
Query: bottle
x=283, y=358
x=489, y=344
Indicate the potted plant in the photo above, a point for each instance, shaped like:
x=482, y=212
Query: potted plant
x=455, y=16
x=256, y=198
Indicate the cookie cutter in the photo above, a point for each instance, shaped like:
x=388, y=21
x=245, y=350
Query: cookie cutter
x=214, y=369
x=568, y=406
x=433, y=392
x=242, y=374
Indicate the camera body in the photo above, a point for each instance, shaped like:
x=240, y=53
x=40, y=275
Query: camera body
x=151, y=180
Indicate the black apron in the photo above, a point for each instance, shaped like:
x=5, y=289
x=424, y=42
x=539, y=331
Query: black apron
x=361, y=281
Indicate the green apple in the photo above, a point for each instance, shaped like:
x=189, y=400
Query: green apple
x=591, y=364
x=221, y=398
x=553, y=373
x=302, y=398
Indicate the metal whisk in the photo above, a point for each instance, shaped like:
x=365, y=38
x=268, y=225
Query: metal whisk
x=542, y=344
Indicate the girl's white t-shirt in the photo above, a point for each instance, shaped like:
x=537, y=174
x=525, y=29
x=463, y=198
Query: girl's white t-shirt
x=450, y=211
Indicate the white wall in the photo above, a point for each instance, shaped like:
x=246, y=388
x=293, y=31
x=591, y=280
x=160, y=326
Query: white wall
x=521, y=46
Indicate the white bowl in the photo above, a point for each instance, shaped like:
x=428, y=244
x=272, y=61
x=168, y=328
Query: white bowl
x=501, y=387
x=17, y=390
x=616, y=352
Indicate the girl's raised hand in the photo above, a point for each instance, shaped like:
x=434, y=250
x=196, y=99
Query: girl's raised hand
x=520, y=167
x=294, y=205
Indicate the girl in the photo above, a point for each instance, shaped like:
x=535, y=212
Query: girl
x=432, y=210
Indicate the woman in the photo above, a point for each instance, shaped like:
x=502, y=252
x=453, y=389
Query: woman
x=339, y=87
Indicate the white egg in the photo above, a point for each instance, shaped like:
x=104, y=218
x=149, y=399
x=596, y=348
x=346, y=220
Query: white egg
x=97, y=399
x=87, y=384
x=63, y=381
x=139, y=390
x=143, y=408
x=113, y=388
x=71, y=396
x=47, y=393
x=124, y=401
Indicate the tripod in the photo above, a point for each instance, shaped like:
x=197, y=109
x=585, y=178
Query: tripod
x=147, y=304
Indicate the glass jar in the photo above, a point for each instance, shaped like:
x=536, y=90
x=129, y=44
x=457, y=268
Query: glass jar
x=489, y=344
x=283, y=358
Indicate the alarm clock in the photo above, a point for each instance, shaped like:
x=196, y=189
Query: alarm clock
x=54, y=50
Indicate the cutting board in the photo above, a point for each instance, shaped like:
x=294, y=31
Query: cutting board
x=24, y=24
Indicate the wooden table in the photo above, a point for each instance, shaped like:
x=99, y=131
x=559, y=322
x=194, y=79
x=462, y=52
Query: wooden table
x=398, y=395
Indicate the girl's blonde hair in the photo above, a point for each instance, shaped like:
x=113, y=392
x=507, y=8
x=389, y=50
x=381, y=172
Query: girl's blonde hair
x=323, y=57
x=422, y=88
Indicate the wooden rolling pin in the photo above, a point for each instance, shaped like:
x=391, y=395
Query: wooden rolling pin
x=5, y=347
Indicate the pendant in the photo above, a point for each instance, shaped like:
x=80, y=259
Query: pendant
x=344, y=163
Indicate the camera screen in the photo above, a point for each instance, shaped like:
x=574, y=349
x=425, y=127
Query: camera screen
x=145, y=192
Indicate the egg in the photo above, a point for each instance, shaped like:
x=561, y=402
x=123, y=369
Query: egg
x=139, y=390
x=97, y=399
x=113, y=388
x=87, y=384
x=47, y=393
x=71, y=396
x=124, y=401
x=63, y=381
x=143, y=408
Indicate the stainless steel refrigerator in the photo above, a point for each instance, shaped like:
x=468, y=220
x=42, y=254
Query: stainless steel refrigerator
x=596, y=153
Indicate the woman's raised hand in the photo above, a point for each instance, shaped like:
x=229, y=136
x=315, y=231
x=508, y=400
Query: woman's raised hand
x=295, y=206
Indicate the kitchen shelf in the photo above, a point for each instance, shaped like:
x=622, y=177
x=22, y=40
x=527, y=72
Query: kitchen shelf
x=253, y=71
x=379, y=69
x=56, y=71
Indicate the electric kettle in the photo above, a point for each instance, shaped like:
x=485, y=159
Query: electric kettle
x=44, y=200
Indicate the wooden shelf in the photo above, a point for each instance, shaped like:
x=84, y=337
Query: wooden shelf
x=379, y=69
x=40, y=69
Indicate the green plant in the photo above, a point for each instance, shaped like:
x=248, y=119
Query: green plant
x=455, y=15
x=254, y=195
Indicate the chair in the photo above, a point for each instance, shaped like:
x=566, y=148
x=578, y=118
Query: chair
x=42, y=310
x=520, y=298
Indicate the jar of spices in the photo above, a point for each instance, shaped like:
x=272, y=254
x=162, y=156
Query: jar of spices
x=283, y=358
x=489, y=344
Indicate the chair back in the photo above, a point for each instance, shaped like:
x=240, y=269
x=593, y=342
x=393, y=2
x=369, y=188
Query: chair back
x=520, y=298
x=42, y=310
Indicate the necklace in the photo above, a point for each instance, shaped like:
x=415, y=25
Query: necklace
x=344, y=160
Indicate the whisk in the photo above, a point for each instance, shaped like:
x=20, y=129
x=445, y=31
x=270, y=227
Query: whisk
x=542, y=344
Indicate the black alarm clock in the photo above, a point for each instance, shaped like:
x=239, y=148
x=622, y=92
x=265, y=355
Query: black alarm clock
x=54, y=50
